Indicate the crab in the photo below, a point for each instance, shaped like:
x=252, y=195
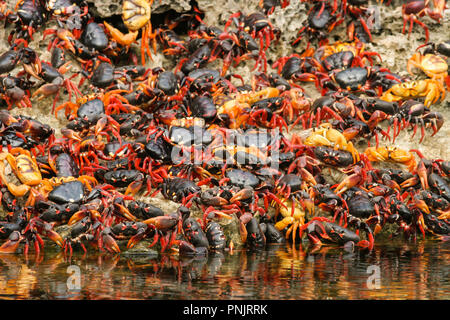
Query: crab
x=26, y=170
x=432, y=65
x=136, y=16
x=111, y=102
x=357, y=48
x=412, y=10
x=291, y=220
x=325, y=135
x=235, y=110
x=433, y=91
x=123, y=39
x=356, y=175
x=392, y=154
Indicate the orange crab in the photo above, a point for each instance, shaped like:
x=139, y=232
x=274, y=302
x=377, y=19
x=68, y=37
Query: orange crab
x=432, y=65
x=236, y=110
x=392, y=154
x=113, y=101
x=357, y=48
x=122, y=39
x=252, y=97
x=432, y=90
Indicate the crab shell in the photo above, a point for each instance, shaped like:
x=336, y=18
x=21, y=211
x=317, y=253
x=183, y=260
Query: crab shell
x=434, y=66
x=135, y=13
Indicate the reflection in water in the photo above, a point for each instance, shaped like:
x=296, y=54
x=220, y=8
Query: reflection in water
x=406, y=271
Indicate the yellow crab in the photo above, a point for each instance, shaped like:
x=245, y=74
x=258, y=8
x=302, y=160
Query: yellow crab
x=433, y=91
x=24, y=167
x=432, y=65
x=27, y=171
x=293, y=220
x=135, y=16
x=325, y=135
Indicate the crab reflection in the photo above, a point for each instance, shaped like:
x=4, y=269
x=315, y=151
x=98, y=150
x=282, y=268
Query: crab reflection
x=407, y=271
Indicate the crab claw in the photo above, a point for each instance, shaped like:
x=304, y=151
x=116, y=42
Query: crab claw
x=188, y=249
x=77, y=216
x=134, y=187
x=17, y=191
x=280, y=225
x=134, y=240
x=423, y=175
x=371, y=241
x=376, y=117
x=46, y=229
x=363, y=244
x=409, y=182
x=68, y=133
x=315, y=241
x=217, y=201
x=393, y=184
x=443, y=214
x=55, y=237
x=308, y=177
x=348, y=183
x=243, y=220
x=377, y=229
x=141, y=235
x=12, y=244
x=421, y=205
x=110, y=244
x=243, y=232
x=162, y=222
x=126, y=213
x=48, y=89
x=244, y=194
x=421, y=224
x=122, y=39
x=33, y=70
x=211, y=212
x=308, y=205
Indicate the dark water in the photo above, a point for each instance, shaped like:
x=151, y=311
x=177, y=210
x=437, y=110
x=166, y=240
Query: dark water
x=403, y=270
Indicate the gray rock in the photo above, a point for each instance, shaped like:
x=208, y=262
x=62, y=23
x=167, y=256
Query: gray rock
x=140, y=249
x=106, y=9
x=231, y=230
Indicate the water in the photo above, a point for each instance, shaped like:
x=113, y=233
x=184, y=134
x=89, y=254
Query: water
x=403, y=270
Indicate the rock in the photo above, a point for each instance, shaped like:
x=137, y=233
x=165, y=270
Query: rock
x=290, y=20
x=141, y=249
x=218, y=15
x=63, y=230
x=106, y=9
x=231, y=230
